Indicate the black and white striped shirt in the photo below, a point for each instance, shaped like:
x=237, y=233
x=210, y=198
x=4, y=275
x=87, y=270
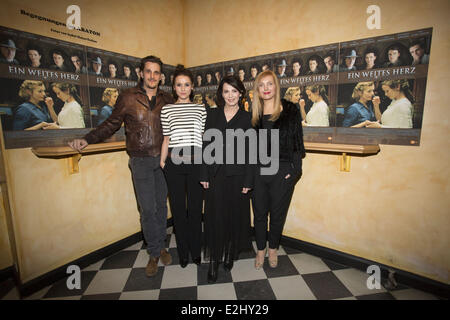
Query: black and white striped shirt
x=184, y=123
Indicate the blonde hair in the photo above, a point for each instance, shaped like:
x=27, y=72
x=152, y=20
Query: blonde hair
x=290, y=93
x=359, y=89
x=258, y=102
x=106, y=97
x=27, y=87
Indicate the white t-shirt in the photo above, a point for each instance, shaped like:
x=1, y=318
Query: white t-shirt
x=398, y=114
x=71, y=116
x=318, y=115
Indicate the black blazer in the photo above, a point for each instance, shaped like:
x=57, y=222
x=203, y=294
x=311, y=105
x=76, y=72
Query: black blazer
x=216, y=120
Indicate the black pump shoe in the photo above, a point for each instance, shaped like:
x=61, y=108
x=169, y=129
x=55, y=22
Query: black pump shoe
x=228, y=263
x=183, y=263
x=197, y=260
x=213, y=271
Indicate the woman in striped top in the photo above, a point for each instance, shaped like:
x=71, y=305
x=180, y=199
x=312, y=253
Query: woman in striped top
x=183, y=124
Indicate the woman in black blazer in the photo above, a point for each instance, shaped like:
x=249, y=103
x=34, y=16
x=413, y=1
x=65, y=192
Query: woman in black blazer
x=272, y=193
x=227, y=185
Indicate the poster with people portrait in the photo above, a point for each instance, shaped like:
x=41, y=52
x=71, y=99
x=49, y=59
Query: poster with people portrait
x=206, y=82
x=48, y=84
x=365, y=91
x=108, y=74
x=42, y=83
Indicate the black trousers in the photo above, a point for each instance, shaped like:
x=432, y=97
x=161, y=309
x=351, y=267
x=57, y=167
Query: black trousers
x=271, y=196
x=186, y=204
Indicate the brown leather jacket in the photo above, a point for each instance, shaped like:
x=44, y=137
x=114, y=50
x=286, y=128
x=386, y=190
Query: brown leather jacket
x=142, y=122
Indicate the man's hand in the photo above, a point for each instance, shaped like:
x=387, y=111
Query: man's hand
x=78, y=144
x=205, y=184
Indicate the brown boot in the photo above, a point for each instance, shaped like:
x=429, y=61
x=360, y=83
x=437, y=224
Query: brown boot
x=166, y=258
x=152, y=266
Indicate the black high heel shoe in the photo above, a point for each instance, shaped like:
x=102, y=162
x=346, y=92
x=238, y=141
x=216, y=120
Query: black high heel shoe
x=213, y=271
x=183, y=263
x=197, y=260
x=228, y=262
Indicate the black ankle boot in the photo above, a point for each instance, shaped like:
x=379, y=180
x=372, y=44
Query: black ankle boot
x=228, y=262
x=212, y=271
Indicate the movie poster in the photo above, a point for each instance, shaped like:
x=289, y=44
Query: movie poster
x=42, y=83
x=375, y=86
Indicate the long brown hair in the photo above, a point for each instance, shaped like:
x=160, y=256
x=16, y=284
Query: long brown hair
x=258, y=102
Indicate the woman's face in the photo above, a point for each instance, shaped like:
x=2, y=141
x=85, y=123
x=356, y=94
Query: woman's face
x=370, y=59
x=231, y=95
x=389, y=92
x=267, y=88
x=62, y=95
x=34, y=56
x=183, y=87
x=295, y=98
x=296, y=67
x=113, y=99
x=368, y=94
x=58, y=59
x=112, y=69
x=38, y=93
x=312, y=96
x=126, y=71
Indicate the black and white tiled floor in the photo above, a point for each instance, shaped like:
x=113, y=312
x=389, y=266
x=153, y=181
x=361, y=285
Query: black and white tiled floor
x=299, y=276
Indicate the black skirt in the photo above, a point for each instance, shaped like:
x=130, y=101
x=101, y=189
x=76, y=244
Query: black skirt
x=226, y=218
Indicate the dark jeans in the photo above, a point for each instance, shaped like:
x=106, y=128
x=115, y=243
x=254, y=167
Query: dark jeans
x=151, y=193
x=272, y=194
x=186, y=204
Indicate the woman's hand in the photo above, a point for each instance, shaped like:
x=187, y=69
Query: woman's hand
x=287, y=176
x=52, y=125
x=162, y=164
x=373, y=124
x=49, y=102
x=205, y=184
x=302, y=103
x=246, y=190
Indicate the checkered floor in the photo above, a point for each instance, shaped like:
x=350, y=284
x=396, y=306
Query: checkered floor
x=299, y=276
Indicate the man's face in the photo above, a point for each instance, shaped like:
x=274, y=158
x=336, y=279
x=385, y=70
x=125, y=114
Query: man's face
x=281, y=69
x=217, y=75
x=208, y=77
x=350, y=61
x=58, y=59
x=313, y=65
x=8, y=53
x=97, y=67
x=393, y=56
x=329, y=62
x=151, y=75
x=76, y=61
x=416, y=52
x=254, y=72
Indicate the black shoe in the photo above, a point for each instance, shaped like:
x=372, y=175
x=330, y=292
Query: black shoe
x=197, y=260
x=228, y=263
x=183, y=263
x=213, y=271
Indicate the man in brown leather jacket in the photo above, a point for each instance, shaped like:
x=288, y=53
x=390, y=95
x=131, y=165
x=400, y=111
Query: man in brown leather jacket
x=139, y=108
